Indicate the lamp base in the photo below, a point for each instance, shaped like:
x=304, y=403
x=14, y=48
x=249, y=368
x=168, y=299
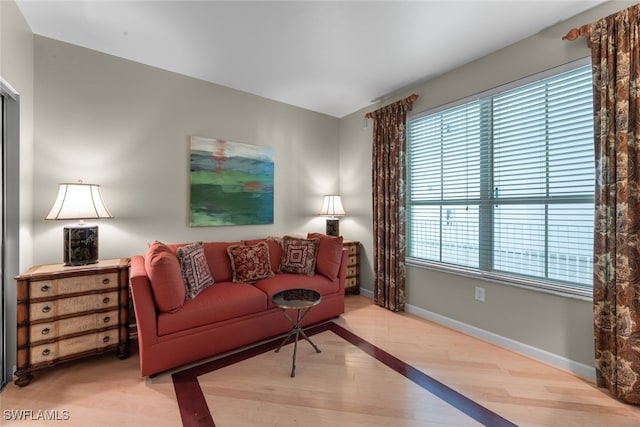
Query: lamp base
x=80, y=245
x=333, y=227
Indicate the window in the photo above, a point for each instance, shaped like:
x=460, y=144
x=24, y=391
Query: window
x=503, y=186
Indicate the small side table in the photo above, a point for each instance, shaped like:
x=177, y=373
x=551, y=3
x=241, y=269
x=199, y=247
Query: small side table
x=66, y=313
x=302, y=300
x=352, y=283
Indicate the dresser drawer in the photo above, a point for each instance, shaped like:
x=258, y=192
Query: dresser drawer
x=61, y=307
x=71, y=346
x=352, y=271
x=351, y=282
x=73, y=325
x=69, y=285
x=352, y=249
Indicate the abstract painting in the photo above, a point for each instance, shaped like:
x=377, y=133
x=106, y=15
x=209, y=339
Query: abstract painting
x=231, y=183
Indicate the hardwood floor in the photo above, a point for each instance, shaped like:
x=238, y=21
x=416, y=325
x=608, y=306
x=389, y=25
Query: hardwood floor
x=106, y=391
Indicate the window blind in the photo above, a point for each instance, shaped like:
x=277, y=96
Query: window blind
x=505, y=183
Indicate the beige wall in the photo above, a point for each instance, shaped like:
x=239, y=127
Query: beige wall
x=126, y=126
x=559, y=325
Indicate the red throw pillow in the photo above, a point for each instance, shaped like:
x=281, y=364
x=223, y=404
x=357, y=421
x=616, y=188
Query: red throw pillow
x=165, y=276
x=250, y=263
x=299, y=255
x=329, y=255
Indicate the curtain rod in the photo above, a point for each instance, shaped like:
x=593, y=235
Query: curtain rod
x=585, y=30
x=408, y=100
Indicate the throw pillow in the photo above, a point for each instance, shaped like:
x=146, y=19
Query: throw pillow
x=329, y=255
x=195, y=270
x=275, y=250
x=165, y=276
x=299, y=255
x=250, y=263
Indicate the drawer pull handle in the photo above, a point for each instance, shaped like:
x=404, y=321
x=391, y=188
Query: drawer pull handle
x=105, y=339
x=105, y=281
x=46, y=309
x=105, y=300
x=46, y=352
x=106, y=319
x=46, y=331
x=45, y=288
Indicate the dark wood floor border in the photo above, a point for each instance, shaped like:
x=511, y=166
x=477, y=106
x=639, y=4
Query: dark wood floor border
x=435, y=387
x=195, y=412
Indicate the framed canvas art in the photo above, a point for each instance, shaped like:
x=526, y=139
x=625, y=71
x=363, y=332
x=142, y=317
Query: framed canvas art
x=231, y=183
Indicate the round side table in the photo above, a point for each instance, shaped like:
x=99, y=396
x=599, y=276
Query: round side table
x=302, y=300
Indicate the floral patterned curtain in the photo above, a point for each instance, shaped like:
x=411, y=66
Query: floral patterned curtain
x=615, y=54
x=388, y=179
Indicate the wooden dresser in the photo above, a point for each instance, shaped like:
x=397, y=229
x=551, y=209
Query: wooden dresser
x=353, y=266
x=66, y=313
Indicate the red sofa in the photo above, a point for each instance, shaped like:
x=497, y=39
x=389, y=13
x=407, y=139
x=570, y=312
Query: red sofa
x=228, y=314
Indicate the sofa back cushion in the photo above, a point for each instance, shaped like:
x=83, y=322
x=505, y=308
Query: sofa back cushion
x=329, y=255
x=217, y=258
x=163, y=269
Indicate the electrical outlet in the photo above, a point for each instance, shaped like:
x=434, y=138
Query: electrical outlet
x=479, y=294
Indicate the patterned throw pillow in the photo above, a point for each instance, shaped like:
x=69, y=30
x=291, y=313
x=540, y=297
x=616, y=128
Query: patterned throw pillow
x=195, y=270
x=250, y=263
x=299, y=255
x=275, y=250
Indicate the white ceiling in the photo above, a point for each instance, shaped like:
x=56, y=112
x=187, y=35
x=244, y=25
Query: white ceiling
x=333, y=57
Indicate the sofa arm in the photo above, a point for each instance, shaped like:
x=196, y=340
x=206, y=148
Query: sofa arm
x=143, y=304
x=342, y=273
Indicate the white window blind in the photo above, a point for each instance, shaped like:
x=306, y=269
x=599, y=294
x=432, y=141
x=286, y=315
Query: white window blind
x=505, y=184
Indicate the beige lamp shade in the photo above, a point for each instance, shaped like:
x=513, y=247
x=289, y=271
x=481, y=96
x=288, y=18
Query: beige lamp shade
x=79, y=201
x=332, y=206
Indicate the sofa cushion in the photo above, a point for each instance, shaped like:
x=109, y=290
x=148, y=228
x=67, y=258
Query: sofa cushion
x=250, y=263
x=195, y=270
x=217, y=258
x=283, y=281
x=275, y=250
x=299, y=255
x=224, y=301
x=163, y=269
x=329, y=254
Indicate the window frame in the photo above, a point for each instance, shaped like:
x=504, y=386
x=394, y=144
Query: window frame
x=565, y=290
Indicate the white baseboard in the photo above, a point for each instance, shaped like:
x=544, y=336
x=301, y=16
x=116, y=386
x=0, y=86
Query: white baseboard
x=366, y=292
x=584, y=371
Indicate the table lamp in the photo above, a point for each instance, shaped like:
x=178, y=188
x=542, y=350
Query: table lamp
x=332, y=209
x=79, y=201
